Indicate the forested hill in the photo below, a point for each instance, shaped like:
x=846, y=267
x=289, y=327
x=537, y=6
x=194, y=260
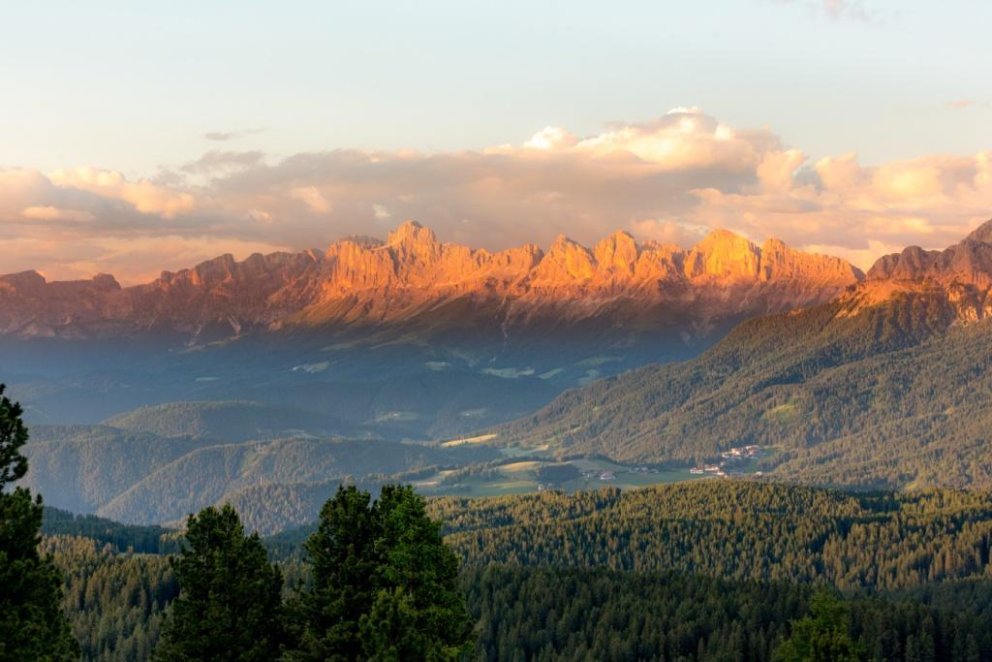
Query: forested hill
x=717, y=569
x=886, y=396
x=741, y=529
x=127, y=538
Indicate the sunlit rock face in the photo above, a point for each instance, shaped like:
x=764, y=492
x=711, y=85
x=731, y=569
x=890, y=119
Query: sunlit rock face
x=959, y=277
x=412, y=275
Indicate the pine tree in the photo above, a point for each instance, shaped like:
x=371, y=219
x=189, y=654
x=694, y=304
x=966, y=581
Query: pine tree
x=416, y=584
x=230, y=602
x=385, y=584
x=343, y=560
x=32, y=624
x=822, y=637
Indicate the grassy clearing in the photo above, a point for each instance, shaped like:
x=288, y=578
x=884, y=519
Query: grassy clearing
x=520, y=477
x=481, y=439
x=783, y=413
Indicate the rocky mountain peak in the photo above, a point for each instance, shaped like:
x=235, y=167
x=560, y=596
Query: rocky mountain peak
x=781, y=262
x=106, y=282
x=565, y=261
x=617, y=253
x=24, y=280
x=982, y=234
x=959, y=277
x=968, y=262
x=414, y=248
x=723, y=254
x=411, y=234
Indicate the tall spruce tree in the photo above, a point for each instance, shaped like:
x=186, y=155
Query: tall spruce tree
x=419, y=612
x=385, y=584
x=230, y=602
x=823, y=636
x=343, y=560
x=32, y=623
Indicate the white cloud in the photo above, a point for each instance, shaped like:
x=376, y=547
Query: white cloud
x=551, y=137
x=381, y=212
x=312, y=198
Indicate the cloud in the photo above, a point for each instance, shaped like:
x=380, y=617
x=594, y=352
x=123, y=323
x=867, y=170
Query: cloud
x=146, y=196
x=670, y=179
x=218, y=161
x=669, y=231
x=960, y=104
x=551, y=137
x=224, y=136
x=683, y=139
x=312, y=198
x=50, y=213
x=381, y=212
x=838, y=10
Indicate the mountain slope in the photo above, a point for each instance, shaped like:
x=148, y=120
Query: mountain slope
x=140, y=477
x=226, y=420
x=81, y=467
x=214, y=473
x=886, y=386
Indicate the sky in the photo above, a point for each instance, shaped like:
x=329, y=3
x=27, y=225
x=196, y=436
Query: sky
x=141, y=136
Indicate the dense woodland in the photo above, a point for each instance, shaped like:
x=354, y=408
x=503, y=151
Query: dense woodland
x=720, y=569
x=115, y=600
x=544, y=613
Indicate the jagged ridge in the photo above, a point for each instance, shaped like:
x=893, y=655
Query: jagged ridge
x=363, y=281
x=960, y=275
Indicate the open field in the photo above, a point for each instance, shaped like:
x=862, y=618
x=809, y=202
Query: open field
x=520, y=475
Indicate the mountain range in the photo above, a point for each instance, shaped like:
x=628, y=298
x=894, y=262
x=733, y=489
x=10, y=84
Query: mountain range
x=412, y=277
x=407, y=337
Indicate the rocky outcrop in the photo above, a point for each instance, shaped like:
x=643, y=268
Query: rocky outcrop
x=966, y=263
x=412, y=273
x=958, y=279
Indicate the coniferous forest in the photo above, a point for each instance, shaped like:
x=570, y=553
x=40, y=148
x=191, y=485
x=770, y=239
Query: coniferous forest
x=712, y=570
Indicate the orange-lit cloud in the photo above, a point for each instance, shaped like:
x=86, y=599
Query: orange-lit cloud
x=147, y=197
x=50, y=213
x=959, y=104
x=670, y=179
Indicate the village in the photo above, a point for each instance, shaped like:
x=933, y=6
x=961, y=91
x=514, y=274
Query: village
x=608, y=474
x=730, y=461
